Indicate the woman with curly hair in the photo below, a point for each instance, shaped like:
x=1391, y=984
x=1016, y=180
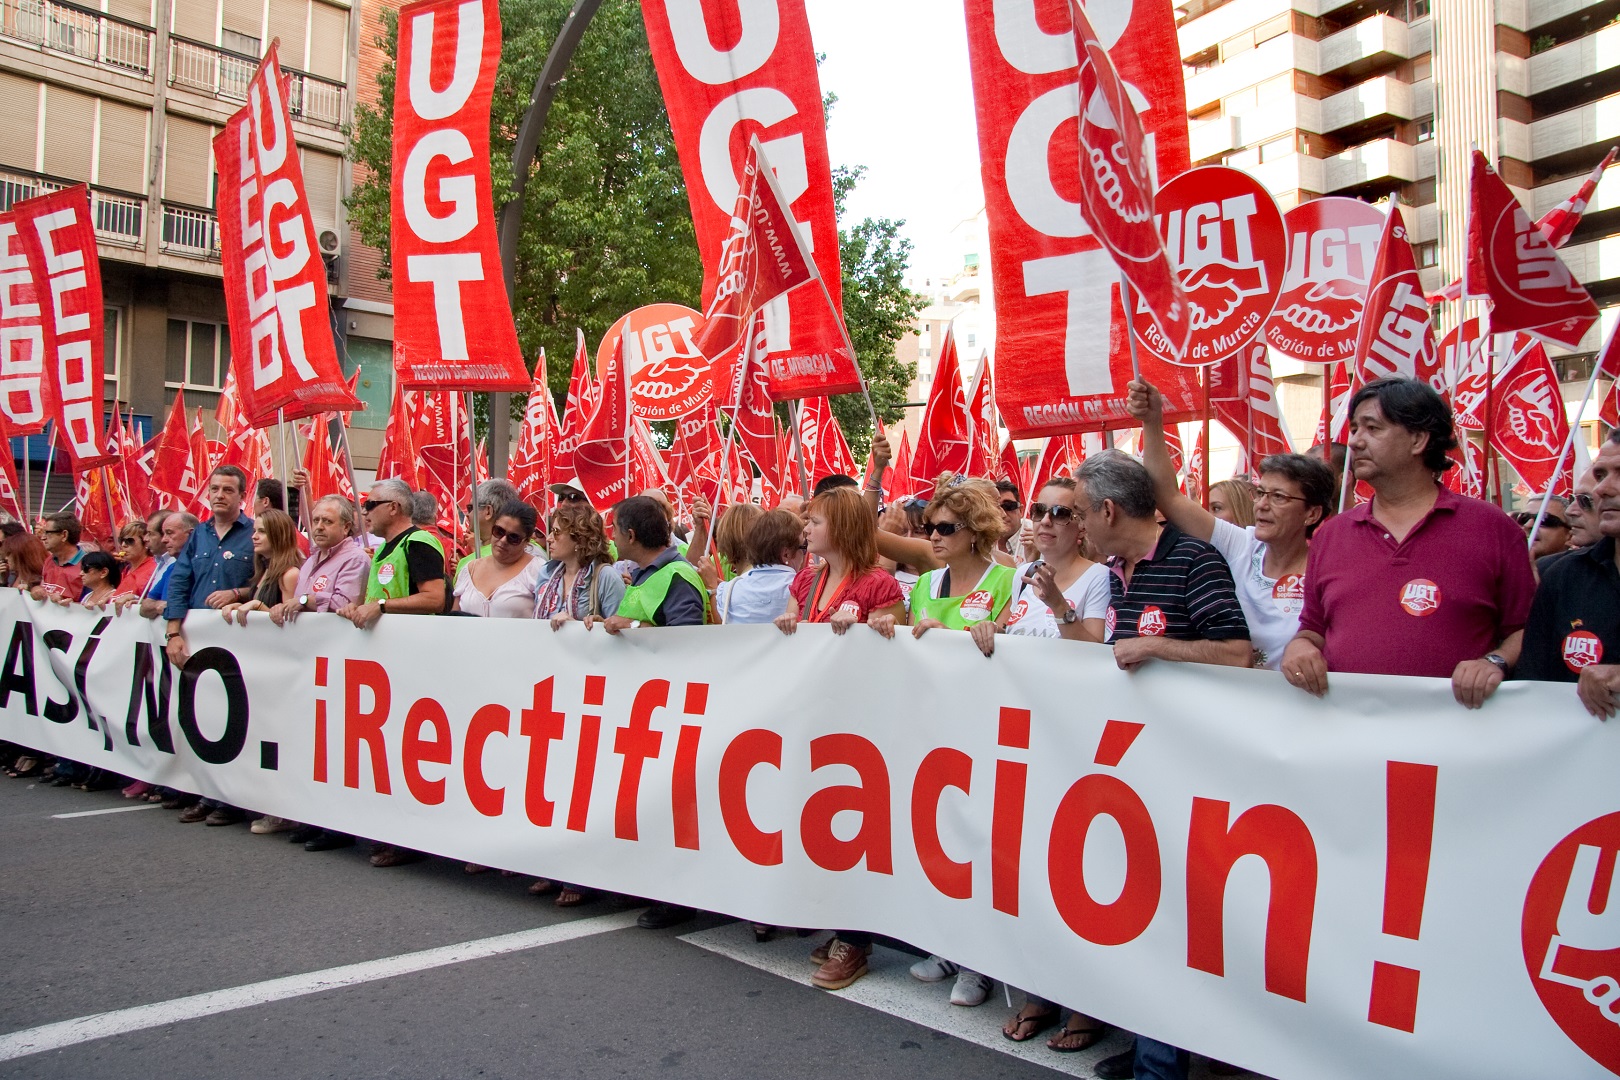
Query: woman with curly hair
x=578, y=581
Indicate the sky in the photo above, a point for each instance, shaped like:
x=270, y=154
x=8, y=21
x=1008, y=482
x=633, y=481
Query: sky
x=905, y=111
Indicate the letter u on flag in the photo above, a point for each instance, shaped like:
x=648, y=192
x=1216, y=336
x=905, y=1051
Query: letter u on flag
x=453, y=327
x=284, y=359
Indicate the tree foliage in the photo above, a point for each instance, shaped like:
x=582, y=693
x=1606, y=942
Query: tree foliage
x=607, y=226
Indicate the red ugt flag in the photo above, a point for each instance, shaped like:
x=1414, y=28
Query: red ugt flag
x=1396, y=336
x=530, y=470
x=602, y=460
x=945, y=439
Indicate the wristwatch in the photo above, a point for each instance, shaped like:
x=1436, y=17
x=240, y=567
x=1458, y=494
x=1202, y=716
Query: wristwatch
x=1499, y=661
x=382, y=606
x=303, y=601
x=1069, y=615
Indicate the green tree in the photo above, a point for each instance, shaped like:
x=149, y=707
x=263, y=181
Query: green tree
x=607, y=226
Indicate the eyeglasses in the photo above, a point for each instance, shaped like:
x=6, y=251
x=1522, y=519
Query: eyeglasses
x=126, y=541
x=1009, y=505
x=371, y=504
x=1058, y=514
x=571, y=496
x=1272, y=495
x=498, y=535
x=1526, y=517
x=1584, y=501
x=943, y=528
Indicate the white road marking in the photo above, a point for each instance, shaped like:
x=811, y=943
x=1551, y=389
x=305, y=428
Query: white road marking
x=158, y=1014
x=109, y=810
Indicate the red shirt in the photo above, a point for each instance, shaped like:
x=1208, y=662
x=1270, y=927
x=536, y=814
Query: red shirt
x=1458, y=584
x=134, y=582
x=63, y=579
x=861, y=595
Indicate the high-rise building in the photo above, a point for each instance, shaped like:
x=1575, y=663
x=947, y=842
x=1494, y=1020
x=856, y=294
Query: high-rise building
x=1325, y=97
x=128, y=99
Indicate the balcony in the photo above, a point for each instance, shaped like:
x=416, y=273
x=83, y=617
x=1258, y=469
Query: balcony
x=1575, y=129
x=226, y=74
x=191, y=232
x=1379, y=160
x=81, y=32
x=1376, y=99
x=1574, y=60
x=1547, y=196
x=1370, y=43
x=1283, y=53
x=1212, y=138
x=119, y=215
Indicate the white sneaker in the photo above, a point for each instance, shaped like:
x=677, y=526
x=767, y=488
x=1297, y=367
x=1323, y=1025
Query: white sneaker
x=269, y=824
x=971, y=988
x=933, y=969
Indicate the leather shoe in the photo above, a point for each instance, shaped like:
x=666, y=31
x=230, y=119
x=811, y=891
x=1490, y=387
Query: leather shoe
x=178, y=802
x=845, y=963
x=194, y=813
x=660, y=916
x=1118, y=1067
x=303, y=834
x=328, y=841
x=394, y=856
x=225, y=815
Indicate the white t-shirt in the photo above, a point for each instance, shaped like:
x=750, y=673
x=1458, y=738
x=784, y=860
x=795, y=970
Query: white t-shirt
x=1271, y=607
x=1030, y=617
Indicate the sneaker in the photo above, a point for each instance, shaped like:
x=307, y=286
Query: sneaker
x=933, y=969
x=194, y=813
x=845, y=963
x=138, y=790
x=224, y=815
x=971, y=988
x=268, y=825
x=820, y=953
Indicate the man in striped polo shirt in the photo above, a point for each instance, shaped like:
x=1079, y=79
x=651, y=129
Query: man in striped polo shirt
x=1173, y=599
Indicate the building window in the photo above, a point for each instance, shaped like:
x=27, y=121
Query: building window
x=239, y=43
x=199, y=355
x=112, y=322
x=1274, y=149
x=1428, y=254
x=1425, y=129
x=973, y=340
x=1419, y=10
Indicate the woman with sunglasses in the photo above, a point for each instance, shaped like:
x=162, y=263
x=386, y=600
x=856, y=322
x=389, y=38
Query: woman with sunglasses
x=1061, y=593
x=1295, y=495
x=502, y=584
x=139, y=564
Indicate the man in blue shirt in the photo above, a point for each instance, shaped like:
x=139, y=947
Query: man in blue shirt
x=212, y=570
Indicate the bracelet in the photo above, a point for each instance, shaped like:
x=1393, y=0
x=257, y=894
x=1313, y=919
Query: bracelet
x=172, y=634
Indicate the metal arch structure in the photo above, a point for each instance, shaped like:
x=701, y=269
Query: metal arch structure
x=523, y=154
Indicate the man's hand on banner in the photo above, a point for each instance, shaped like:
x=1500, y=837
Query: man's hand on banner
x=615, y=623
x=1474, y=681
x=364, y=616
x=177, y=650
x=285, y=612
x=220, y=597
x=1303, y=666
x=1599, y=689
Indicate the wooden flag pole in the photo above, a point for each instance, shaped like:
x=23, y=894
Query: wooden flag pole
x=1127, y=300
x=798, y=448
x=472, y=476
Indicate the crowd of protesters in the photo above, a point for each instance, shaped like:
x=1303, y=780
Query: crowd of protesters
x=1270, y=574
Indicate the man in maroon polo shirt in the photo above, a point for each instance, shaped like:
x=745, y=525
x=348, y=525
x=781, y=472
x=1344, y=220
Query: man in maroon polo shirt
x=1421, y=580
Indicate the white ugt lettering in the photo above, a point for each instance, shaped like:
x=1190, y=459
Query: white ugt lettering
x=446, y=273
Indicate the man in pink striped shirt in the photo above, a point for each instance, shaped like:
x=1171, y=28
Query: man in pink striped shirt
x=335, y=572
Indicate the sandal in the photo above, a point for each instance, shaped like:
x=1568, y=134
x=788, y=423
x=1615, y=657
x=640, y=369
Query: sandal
x=573, y=896
x=25, y=767
x=1072, y=1039
x=1022, y=1027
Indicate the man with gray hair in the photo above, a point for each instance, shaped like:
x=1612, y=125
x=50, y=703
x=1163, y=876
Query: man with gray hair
x=1173, y=599
x=334, y=575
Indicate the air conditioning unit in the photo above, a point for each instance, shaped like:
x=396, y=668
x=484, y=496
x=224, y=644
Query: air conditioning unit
x=328, y=241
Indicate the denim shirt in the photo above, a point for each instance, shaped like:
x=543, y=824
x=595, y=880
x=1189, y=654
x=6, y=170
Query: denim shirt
x=208, y=564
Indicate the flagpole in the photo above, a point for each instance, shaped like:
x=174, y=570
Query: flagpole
x=1128, y=300
x=472, y=472
x=798, y=448
x=731, y=431
x=348, y=467
x=281, y=431
x=1569, y=444
x=1203, y=438
x=50, y=461
x=28, y=482
x=106, y=490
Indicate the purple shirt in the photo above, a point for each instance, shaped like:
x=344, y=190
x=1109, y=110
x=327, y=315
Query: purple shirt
x=334, y=577
x=1458, y=584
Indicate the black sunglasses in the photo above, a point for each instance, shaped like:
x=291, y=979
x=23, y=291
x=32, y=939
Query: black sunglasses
x=1056, y=513
x=499, y=535
x=1525, y=517
x=1584, y=501
x=126, y=541
x=943, y=528
x=1009, y=505
x=371, y=504
x=571, y=496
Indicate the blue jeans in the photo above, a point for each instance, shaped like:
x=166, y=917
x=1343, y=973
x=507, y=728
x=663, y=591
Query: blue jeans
x=1159, y=1061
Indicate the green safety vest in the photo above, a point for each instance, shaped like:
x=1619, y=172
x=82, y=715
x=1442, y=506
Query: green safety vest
x=641, y=602
x=391, y=577
x=465, y=559
x=988, y=597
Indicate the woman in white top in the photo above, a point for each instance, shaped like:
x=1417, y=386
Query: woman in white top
x=501, y=585
x=1061, y=594
x=1294, y=496
x=775, y=554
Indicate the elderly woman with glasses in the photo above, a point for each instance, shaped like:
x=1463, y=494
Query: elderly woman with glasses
x=502, y=584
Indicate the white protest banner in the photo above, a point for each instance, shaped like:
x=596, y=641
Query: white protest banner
x=1380, y=884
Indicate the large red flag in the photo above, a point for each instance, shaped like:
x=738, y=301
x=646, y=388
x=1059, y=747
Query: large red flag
x=285, y=358
x=59, y=238
x=10, y=500
x=1558, y=223
x=175, y=483
x=986, y=439
x=246, y=446
x=134, y=468
x=1529, y=425
x=901, y=483
x=1396, y=336
x=25, y=393
x=327, y=475
x=202, y=463
x=453, y=327
x=399, y=459
x=602, y=460
x=583, y=393
x=826, y=451
x=440, y=432
x=1060, y=455
x=1512, y=263
x=726, y=69
x=1256, y=419
x=945, y=439
x=1061, y=358
x=530, y=470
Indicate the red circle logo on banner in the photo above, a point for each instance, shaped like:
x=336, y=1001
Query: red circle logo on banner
x=1571, y=937
x=1331, y=246
x=667, y=375
x=1224, y=236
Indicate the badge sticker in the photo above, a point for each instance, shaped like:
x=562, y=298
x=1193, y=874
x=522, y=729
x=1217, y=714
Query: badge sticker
x=1582, y=648
x=850, y=607
x=1110, y=621
x=1152, y=623
x=320, y=583
x=385, y=574
x=1018, y=612
x=1420, y=597
x=976, y=606
x=1289, y=593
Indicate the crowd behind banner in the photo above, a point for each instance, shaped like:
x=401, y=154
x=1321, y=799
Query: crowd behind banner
x=1418, y=580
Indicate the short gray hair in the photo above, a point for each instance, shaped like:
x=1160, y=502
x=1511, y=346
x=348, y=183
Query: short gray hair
x=1116, y=476
x=424, y=508
x=394, y=491
x=495, y=494
x=345, y=509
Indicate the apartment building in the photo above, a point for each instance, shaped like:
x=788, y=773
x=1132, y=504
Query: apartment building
x=128, y=98
x=1370, y=98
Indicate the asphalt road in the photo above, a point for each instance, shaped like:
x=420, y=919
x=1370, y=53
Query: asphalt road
x=105, y=913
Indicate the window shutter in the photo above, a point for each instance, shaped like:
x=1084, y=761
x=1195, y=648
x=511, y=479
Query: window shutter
x=122, y=164
x=19, y=132
x=69, y=122
x=187, y=163
x=288, y=19
x=194, y=19
x=135, y=10
x=243, y=16
x=328, y=40
x=322, y=175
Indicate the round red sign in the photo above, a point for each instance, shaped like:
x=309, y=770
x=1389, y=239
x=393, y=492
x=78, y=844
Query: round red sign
x=668, y=375
x=1224, y=236
x=1331, y=246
